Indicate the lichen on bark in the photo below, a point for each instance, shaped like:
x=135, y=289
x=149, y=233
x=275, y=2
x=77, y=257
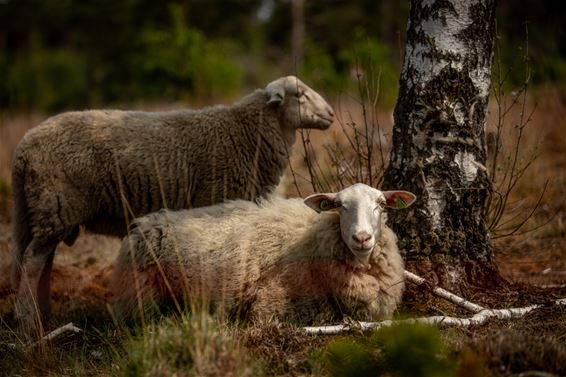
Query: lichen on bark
x=439, y=151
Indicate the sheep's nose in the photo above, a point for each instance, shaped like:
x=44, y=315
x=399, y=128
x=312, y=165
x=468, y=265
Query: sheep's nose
x=361, y=237
x=331, y=113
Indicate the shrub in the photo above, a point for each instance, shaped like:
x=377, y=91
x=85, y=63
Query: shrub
x=370, y=59
x=179, y=60
x=47, y=79
x=400, y=350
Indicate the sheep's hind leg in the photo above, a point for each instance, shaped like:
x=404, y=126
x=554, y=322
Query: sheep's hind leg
x=33, y=302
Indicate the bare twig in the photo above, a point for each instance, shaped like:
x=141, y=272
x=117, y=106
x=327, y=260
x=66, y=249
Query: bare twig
x=357, y=154
x=440, y=292
x=69, y=327
x=506, y=175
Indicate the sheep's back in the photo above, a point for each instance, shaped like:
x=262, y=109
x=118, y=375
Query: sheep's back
x=92, y=167
x=219, y=251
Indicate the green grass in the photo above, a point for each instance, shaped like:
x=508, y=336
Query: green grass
x=191, y=345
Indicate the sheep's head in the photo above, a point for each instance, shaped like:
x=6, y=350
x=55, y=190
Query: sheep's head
x=300, y=106
x=361, y=213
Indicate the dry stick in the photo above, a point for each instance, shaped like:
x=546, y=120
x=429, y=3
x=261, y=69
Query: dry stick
x=440, y=292
x=69, y=327
x=477, y=319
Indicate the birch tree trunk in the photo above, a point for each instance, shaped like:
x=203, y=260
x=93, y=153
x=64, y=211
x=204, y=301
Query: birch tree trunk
x=439, y=149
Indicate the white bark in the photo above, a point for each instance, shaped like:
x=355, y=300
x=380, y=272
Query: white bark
x=481, y=316
x=439, y=151
x=444, y=321
x=443, y=33
x=470, y=306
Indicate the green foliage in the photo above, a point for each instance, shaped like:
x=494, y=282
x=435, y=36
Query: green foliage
x=318, y=69
x=364, y=59
x=69, y=53
x=187, y=345
x=401, y=350
x=350, y=358
x=180, y=60
x=414, y=350
x=48, y=79
x=546, y=37
x=370, y=58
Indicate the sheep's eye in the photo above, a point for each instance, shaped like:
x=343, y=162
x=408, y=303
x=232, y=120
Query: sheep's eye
x=323, y=205
x=300, y=93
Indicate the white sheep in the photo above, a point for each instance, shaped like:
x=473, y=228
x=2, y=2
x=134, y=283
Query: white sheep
x=102, y=168
x=274, y=260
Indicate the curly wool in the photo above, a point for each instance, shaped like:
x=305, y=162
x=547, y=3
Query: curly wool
x=278, y=260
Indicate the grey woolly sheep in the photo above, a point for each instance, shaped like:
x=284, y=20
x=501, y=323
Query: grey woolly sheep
x=277, y=260
x=102, y=168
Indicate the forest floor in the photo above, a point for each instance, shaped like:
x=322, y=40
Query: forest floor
x=534, y=261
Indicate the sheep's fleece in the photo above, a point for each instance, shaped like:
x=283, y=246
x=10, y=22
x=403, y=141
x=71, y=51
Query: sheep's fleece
x=102, y=168
x=277, y=260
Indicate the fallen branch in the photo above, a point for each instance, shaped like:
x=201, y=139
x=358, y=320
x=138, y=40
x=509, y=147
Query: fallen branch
x=444, y=321
x=441, y=292
x=69, y=327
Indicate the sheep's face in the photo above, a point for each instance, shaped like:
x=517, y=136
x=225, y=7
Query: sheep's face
x=300, y=106
x=361, y=211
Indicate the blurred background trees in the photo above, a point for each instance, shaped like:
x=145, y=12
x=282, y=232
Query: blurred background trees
x=72, y=54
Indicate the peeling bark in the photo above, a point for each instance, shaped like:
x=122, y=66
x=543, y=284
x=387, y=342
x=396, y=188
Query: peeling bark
x=439, y=150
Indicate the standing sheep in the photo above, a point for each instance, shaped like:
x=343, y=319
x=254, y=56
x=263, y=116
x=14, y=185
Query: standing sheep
x=102, y=168
x=274, y=260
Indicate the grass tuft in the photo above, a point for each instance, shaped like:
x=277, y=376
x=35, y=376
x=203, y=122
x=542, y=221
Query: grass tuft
x=185, y=346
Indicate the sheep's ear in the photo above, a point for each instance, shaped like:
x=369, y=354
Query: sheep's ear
x=276, y=95
x=321, y=202
x=399, y=199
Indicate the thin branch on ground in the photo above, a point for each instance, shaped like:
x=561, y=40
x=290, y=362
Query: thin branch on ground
x=69, y=327
x=481, y=316
x=444, y=321
x=443, y=293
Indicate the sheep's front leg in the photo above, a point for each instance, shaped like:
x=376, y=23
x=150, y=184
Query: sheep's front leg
x=33, y=302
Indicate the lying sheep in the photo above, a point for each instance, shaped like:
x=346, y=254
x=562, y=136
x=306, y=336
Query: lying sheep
x=275, y=260
x=102, y=168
